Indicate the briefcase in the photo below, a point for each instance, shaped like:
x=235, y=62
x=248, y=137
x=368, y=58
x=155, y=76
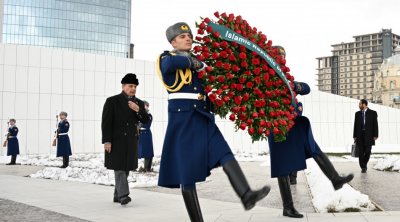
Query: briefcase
x=54, y=142
x=354, y=150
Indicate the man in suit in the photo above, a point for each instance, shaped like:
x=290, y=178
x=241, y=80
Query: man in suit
x=121, y=115
x=365, y=132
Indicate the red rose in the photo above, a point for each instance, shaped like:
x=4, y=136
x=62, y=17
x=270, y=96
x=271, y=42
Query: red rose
x=223, y=15
x=257, y=91
x=231, y=94
x=206, y=40
x=257, y=71
x=262, y=123
x=255, y=61
x=255, y=115
x=260, y=130
x=202, y=25
x=212, y=97
x=227, y=66
x=196, y=48
x=225, y=87
x=219, y=102
x=243, y=49
x=232, y=58
x=271, y=72
x=265, y=68
x=239, y=87
x=242, y=116
x=216, y=14
x=221, y=78
x=208, y=69
x=208, y=89
x=247, y=73
x=249, y=122
x=242, y=79
x=223, y=54
x=215, y=55
x=198, y=38
x=242, y=55
x=200, y=57
x=218, y=92
x=267, y=133
x=235, y=68
x=235, y=109
x=244, y=64
x=205, y=55
x=238, y=100
x=211, y=79
x=251, y=131
x=216, y=45
x=207, y=20
x=232, y=117
x=219, y=64
x=257, y=104
x=243, y=126
x=262, y=113
x=201, y=74
x=200, y=31
x=226, y=99
x=269, y=124
x=276, y=130
x=217, y=35
x=246, y=97
x=224, y=44
x=205, y=49
x=229, y=75
x=257, y=80
x=249, y=85
x=243, y=108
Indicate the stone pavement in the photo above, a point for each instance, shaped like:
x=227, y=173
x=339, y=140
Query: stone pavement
x=94, y=203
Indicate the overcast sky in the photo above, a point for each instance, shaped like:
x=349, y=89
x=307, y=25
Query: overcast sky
x=306, y=28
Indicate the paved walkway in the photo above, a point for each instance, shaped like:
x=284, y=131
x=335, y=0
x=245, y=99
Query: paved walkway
x=94, y=203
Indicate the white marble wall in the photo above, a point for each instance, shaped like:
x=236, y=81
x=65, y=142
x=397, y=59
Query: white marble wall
x=36, y=83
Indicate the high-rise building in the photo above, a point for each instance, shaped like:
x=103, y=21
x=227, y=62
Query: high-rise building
x=351, y=68
x=94, y=26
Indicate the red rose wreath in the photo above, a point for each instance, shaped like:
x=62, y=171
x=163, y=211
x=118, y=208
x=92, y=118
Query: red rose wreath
x=241, y=81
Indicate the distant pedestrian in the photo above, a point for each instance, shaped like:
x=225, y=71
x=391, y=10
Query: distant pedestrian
x=365, y=132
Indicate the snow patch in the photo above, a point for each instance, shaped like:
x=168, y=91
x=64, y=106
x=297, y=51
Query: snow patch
x=388, y=163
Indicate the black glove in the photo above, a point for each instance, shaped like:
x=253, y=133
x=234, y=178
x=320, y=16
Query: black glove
x=196, y=64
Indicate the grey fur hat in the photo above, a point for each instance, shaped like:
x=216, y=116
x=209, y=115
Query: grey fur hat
x=177, y=29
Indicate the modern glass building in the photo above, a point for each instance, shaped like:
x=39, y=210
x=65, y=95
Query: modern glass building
x=94, y=26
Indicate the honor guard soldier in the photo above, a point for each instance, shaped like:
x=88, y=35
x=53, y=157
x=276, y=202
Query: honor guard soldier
x=146, y=141
x=193, y=144
x=12, y=142
x=63, y=142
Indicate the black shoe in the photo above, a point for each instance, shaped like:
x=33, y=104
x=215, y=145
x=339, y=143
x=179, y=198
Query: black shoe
x=116, y=200
x=125, y=200
x=10, y=164
x=287, y=200
x=363, y=170
x=327, y=168
x=241, y=187
x=63, y=167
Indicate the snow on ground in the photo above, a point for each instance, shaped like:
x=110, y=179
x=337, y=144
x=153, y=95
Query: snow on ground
x=388, y=163
x=88, y=168
x=326, y=199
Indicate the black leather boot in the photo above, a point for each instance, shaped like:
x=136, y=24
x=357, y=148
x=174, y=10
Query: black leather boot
x=329, y=170
x=239, y=183
x=65, y=162
x=13, y=160
x=147, y=164
x=192, y=204
x=293, y=178
x=287, y=200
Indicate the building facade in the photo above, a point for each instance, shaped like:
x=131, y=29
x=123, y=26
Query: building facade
x=351, y=68
x=93, y=26
x=387, y=82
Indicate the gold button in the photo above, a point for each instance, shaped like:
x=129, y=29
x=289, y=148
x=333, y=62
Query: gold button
x=195, y=88
x=179, y=110
x=195, y=105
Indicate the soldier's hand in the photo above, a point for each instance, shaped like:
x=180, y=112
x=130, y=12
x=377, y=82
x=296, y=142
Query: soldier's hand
x=197, y=64
x=107, y=147
x=133, y=106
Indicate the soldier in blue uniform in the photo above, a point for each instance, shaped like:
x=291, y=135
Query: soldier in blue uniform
x=63, y=143
x=12, y=142
x=290, y=156
x=193, y=144
x=146, y=141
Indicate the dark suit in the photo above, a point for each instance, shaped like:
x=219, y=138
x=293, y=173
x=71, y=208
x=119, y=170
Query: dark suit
x=118, y=127
x=364, y=134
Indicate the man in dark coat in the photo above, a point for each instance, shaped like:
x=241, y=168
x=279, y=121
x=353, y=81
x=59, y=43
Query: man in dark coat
x=365, y=132
x=121, y=114
x=193, y=144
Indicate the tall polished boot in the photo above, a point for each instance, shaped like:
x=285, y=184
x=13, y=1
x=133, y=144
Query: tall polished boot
x=148, y=165
x=65, y=162
x=287, y=200
x=13, y=160
x=192, y=203
x=239, y=183
x=329, y=170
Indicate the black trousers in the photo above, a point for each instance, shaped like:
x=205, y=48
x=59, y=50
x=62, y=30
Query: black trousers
x=364, y=152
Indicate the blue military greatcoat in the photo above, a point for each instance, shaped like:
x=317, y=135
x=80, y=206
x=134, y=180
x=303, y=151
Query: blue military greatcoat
x=12, y=141
x=193, y=144
x=290, y=155
x=146, y=140
x=63, y=143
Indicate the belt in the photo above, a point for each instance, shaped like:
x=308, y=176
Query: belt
x=196, y=96
x=62, y=134
x=9, y=137
x=144, y=129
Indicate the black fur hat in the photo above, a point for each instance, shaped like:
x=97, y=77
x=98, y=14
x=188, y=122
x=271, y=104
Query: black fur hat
x=130, y=78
